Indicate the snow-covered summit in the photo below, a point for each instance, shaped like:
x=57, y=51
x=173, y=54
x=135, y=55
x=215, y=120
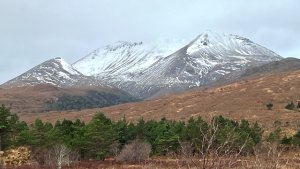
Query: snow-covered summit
x=56, y=72
x=126, y=56
x=145, y=68
x=214, y=43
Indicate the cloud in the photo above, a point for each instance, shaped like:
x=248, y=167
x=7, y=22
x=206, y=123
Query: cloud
x=35, y=31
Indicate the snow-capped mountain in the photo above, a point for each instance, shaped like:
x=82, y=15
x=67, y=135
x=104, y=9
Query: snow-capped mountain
x=56, y=72
x=126, y=56
x=150, y=69
x=147, y=70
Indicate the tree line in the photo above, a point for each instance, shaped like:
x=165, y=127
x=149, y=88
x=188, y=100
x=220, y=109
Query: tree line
x=92, y=99
x=102, y=138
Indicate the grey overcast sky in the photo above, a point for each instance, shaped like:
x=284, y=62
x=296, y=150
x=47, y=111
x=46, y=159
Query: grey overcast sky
x=36, y=30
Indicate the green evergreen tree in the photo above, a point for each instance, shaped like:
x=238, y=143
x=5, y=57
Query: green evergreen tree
x=290, y=106
x=287, y=140
x=40, y=134
x=78, y=138
x=275, y=135
x=25, y=136
x=194, y=132
x=121, y=129
x=20, y=133
x=99, y=135
x=167, y=140
x=141, y=129
x=5, y=127
x=296, y=139
x=269, y=106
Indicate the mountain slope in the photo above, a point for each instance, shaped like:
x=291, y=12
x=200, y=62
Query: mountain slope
x=240, y=100
x=284, y=65
x=146, y=70
x=42, y=97
x=56, y=72
x=275, y=67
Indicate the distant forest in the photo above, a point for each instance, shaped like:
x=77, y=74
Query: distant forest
x=93, y=99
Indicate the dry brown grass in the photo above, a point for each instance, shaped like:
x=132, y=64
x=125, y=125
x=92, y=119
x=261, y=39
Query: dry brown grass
x=241, y=100
x=32, y=99
x=176, y=163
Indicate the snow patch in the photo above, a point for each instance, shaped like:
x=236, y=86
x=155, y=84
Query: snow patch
x=67, y=66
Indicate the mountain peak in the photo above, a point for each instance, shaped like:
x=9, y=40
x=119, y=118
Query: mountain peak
x=56, y=72
x=58, y=58
x=213, y=36
x=215, y=44
x=209, y=32
x=146, y=68
x=122, y=44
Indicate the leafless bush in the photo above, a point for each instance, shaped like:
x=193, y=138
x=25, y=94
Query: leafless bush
x=268, y=155
x=186, y=149
x=136, y=151
x=115, y=149
x=55, y=156
x=39, y=155
x=58, y=156
x=225, y=155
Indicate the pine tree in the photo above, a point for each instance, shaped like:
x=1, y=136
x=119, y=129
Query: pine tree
x=12, y=131
x=99, y=136
x=269, y=106
x=296, y=139
x=40, y=132
x=290, y=105
x=5, y=128
x=287, y=140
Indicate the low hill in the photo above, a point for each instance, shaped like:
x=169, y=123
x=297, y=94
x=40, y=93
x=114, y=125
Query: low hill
x=41, y=98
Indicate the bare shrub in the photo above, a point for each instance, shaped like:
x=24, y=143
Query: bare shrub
x=55, y=156
x=269, y=155
x=115, y=149
x=58, y=156
x=136, y=151
x=39, y=155
x=186, y=149
x=212, y=155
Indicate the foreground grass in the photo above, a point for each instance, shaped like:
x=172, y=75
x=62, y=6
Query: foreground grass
x=287, y=160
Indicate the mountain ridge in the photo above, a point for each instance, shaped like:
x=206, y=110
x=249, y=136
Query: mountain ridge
x=56, y=72
x=144, y=72
x=151, y=69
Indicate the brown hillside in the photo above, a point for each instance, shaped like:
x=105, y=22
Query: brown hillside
x=241, y=100
x=34, y=99
x=28, y=99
